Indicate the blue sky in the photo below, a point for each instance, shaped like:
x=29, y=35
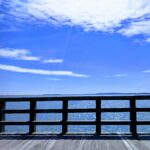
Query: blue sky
x=74, y=47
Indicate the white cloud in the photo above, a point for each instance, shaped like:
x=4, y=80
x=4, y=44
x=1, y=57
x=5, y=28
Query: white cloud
x=135, y=28
x=116, y=76
x=39, y=71
x=130, y=16
x=53, y=79
x=146, y=71
x=20, y=54
x=53, y=61
x=120, y=75
x=148, y=40
x=24, y=54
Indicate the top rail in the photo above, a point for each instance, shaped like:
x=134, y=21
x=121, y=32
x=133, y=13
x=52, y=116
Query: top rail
x=58, y=98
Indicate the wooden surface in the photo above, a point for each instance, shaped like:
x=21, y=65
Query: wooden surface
x=8, y=142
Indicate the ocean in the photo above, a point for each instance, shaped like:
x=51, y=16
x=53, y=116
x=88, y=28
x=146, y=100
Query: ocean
x=78, y=116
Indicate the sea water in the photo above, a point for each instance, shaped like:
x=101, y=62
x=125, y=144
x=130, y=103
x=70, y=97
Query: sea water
x=122, y=116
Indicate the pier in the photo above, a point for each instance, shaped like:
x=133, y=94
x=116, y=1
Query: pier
x=64, y=140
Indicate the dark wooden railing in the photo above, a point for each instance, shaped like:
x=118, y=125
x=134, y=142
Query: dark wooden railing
x=133, y=122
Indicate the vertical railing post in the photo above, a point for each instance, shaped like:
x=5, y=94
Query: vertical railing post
x=98, y=116
x=133, y=128
x=65, y=116
x=32, y=116
x=2, y=115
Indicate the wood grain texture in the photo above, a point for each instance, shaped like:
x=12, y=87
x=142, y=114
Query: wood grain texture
x=75, y=143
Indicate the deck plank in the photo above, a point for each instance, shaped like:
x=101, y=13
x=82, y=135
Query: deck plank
x=82, y=143
x=140, y=144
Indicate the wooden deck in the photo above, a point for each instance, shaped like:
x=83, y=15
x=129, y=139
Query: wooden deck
x=43, y=142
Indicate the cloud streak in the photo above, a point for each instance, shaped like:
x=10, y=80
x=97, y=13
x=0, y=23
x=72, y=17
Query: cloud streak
x=146, y=71
x=24, y=54
x=120, y=75
x=20, y=54
x=148, y=40
x=128, y=17
x=116, y=76
x=40, y=71
x=53, y=79
x=53, y=61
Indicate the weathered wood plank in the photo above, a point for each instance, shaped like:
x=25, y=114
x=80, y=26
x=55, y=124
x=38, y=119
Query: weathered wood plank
x=76, y=143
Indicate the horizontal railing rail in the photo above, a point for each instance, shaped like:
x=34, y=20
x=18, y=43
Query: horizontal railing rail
x=65, y=110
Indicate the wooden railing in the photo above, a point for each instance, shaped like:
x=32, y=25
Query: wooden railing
x=32, y=122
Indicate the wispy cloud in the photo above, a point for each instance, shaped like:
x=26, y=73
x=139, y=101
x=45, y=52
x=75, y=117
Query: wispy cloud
x=128, y=17
x=24, y=54
x=53, y=79
x=53, y=61
x=146, y=71
x=9, y=29
x=148, y=40
x=120, y=75
x=40, y=71
x=20, y=54
x=116, y=76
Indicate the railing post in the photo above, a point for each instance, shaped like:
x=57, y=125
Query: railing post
x=133, y=128
x=2, y=115
x=65, y=116
x=32, y=116
x=98, y=116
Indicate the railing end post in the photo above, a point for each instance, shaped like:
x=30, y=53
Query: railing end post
x=2, y=115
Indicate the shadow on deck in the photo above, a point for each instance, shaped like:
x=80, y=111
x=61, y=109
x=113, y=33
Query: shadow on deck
x=74, y=137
